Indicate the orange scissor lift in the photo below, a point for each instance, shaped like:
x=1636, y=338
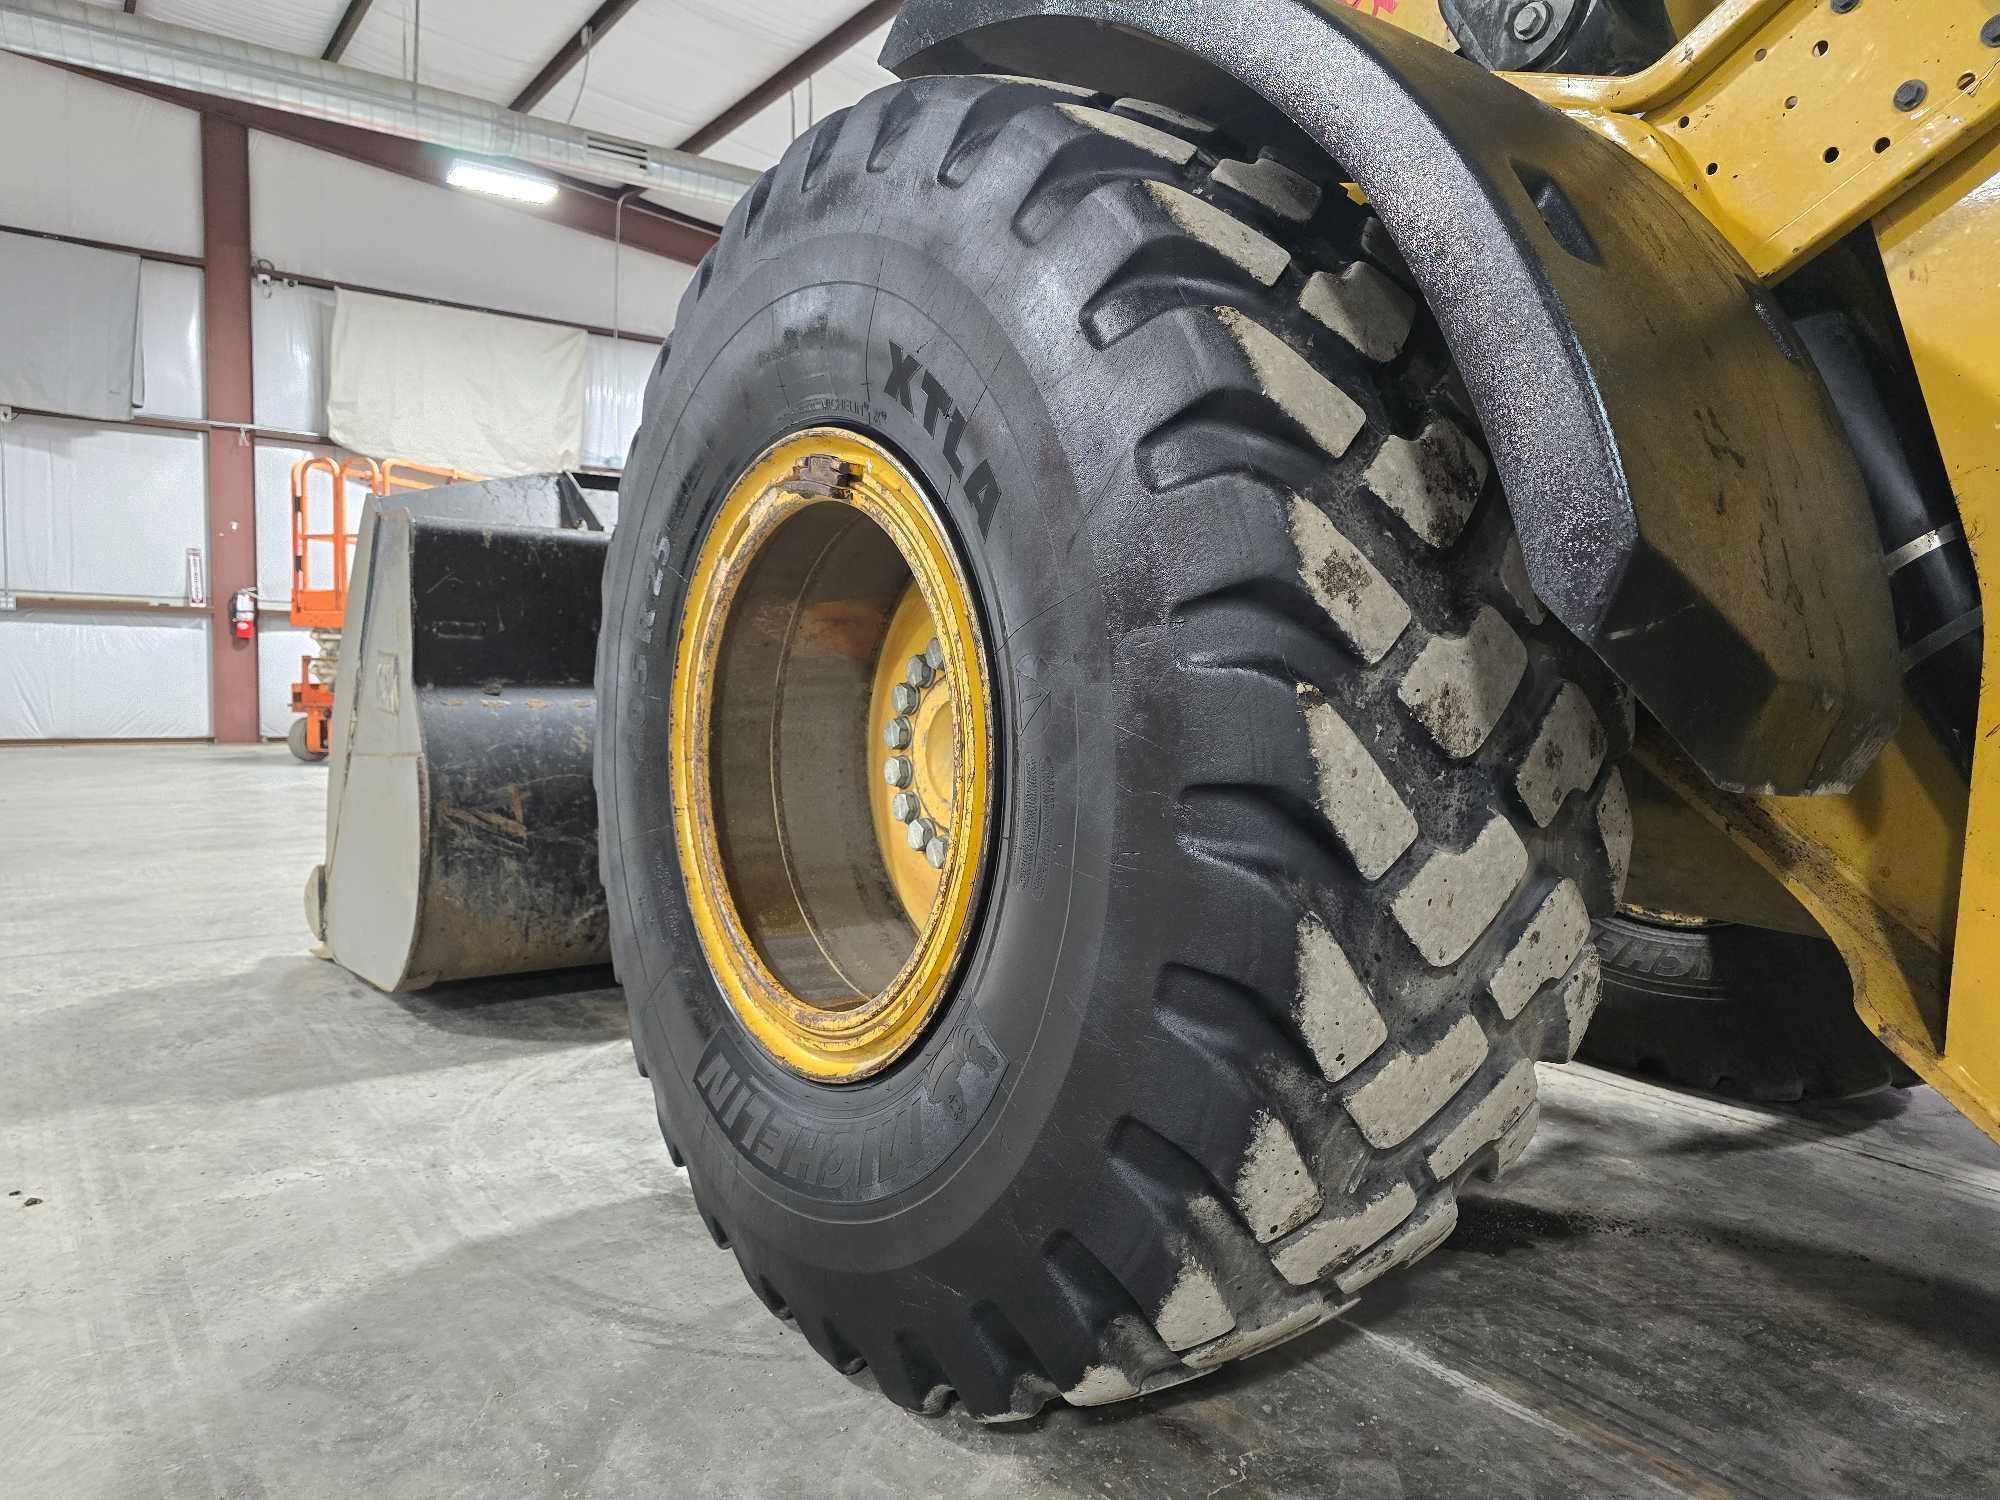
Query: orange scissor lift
x=322, y=609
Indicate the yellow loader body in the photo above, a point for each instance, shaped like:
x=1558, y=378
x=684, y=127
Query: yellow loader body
x=1787, y=125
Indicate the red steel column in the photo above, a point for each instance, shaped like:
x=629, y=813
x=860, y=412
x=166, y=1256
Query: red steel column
x=232, y=496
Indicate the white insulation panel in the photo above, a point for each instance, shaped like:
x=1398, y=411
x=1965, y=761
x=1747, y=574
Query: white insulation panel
x=760, y=140
x=614, y=387
x=279, y=648
x=322, y=216
x=98, y=162
x=90, y=509
x=77, y=676
x=288, y=25
x=471, y=46
x=291, y=328
x=707, y=55
x=170, y=341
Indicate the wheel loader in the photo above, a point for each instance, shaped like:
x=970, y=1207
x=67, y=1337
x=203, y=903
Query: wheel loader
x=1183, y=554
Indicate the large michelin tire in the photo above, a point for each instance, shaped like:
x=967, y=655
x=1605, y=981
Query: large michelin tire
x=1303, y=802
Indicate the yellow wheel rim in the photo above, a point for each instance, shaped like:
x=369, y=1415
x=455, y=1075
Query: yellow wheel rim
x=798, y=769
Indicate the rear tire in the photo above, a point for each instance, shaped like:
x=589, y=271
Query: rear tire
x=1303, y=800
x=1731, y=1010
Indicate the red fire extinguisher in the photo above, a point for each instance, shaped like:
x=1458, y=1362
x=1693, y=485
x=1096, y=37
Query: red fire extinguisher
x=243, y=614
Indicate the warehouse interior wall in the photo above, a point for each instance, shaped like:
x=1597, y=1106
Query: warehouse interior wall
x=77, y=675
x=97, y=521
x=97, y=162
x=320, y=216
x=102, y=510
x=99, y=511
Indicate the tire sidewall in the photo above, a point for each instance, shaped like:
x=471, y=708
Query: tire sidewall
x=777, y=351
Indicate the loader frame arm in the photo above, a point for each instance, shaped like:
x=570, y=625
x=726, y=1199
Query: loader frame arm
x=1680, y=486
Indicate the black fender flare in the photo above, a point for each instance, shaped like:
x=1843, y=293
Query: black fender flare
x=1685, y=499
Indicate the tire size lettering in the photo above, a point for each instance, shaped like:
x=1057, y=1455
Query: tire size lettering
x=909, y=384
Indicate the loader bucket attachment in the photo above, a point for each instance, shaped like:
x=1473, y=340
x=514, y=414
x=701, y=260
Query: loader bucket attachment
x=461, y=822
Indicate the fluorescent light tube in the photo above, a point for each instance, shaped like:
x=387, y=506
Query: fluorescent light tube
x=476, y=177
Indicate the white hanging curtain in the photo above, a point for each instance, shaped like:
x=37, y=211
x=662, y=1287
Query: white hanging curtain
x=466, y=390
x=71, y=316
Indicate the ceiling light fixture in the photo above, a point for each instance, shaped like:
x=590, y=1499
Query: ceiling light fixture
x=475, y=177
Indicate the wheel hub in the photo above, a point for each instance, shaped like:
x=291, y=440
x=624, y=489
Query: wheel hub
x=914, y=729
x=830, y=746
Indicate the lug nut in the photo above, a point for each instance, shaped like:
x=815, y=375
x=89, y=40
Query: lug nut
x=905, y=806
x=1909, y=94
x=934, y=654
x=934, y=852
x=897, y=770
x=896, y=733
x=919, y=673
x=1530, y=21
x=904, y=698
x=920, y=833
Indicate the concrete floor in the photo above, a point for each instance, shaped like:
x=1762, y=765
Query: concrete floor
x=264, y=1231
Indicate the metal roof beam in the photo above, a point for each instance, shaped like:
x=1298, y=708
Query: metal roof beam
x=343, y=31
x=807, y=63
x=606, y=16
